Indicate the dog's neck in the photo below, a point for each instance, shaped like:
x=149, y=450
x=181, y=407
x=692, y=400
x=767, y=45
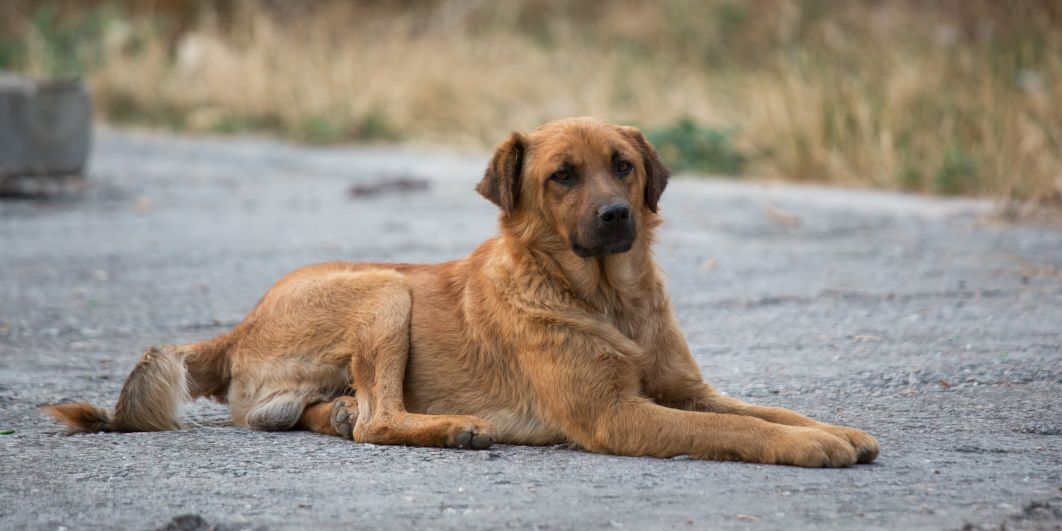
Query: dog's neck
x=611, y=277
x=613, y=285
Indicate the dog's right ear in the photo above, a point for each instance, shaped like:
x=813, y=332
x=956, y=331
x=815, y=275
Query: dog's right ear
x=501, y=182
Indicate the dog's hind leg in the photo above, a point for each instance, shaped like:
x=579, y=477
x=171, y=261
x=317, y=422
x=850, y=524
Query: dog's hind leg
x=282, y=401
x=380, y=353
x=337, y=417
x=279, y=412
x=316, y=336
x=291, y=409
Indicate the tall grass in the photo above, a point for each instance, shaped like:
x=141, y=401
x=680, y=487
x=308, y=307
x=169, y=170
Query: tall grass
x=949, y=96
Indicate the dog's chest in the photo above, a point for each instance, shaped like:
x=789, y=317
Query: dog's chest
x=620, y=314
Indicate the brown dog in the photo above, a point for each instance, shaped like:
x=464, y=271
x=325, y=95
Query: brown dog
x=558, y=329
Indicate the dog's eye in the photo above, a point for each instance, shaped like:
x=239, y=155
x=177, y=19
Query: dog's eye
x=561, y=176
x=623, y=168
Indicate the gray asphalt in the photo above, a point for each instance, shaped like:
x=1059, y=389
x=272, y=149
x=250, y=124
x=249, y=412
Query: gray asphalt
x=920, y=320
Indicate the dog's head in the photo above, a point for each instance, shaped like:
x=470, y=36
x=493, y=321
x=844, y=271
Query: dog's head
x=580, y=183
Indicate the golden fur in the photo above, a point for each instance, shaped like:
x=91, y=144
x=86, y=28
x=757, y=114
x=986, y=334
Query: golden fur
x=557, y=330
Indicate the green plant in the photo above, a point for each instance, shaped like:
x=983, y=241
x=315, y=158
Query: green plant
x=957, y=173
x=375, y=126
x=12, y=54
x=67, y=47
x=686, y=145
x=320, y=129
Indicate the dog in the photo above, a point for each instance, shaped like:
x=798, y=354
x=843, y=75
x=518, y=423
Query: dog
x=557, y=330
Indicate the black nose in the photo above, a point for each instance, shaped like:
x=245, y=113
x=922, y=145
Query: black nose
x=614, y=214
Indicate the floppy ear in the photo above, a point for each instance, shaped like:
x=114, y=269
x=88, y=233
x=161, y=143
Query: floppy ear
x=501, y=182
x=656, y=174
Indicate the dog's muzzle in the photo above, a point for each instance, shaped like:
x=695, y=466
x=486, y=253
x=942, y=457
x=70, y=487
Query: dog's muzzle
x=611, y=232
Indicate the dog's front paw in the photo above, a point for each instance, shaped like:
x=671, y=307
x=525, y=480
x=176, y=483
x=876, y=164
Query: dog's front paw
x=470, y=432
x=810, y=447
x=865, y=445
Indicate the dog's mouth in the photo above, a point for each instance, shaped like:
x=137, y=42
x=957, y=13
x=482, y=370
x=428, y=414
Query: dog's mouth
x=601, y=239
x=603, y=248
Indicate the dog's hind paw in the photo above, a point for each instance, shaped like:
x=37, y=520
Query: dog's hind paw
x=344, y=416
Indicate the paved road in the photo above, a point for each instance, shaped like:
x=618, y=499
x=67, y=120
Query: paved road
x=919, y=320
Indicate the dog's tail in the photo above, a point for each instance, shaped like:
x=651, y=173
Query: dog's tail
x=165, y=377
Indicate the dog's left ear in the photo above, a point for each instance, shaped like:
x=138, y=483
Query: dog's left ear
x=501, y=182
x=656, y=174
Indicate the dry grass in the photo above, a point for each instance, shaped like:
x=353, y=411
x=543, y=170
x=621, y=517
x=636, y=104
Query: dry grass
x=954, y=97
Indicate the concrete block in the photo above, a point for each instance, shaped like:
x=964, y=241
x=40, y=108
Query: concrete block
x=45, y=127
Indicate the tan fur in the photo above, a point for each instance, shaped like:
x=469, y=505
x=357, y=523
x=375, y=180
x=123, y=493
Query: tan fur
x=524, y=341
x=150, y=399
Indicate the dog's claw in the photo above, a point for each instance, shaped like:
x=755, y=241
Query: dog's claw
x=470, y=439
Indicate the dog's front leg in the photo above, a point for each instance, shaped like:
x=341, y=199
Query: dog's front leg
x=638, y=427
x=589, y=388
x=865, y=445
x=673, y=379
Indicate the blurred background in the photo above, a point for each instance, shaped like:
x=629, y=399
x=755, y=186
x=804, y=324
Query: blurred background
x=958, y=97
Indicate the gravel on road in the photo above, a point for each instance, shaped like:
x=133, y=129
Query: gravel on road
x=921, y=320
